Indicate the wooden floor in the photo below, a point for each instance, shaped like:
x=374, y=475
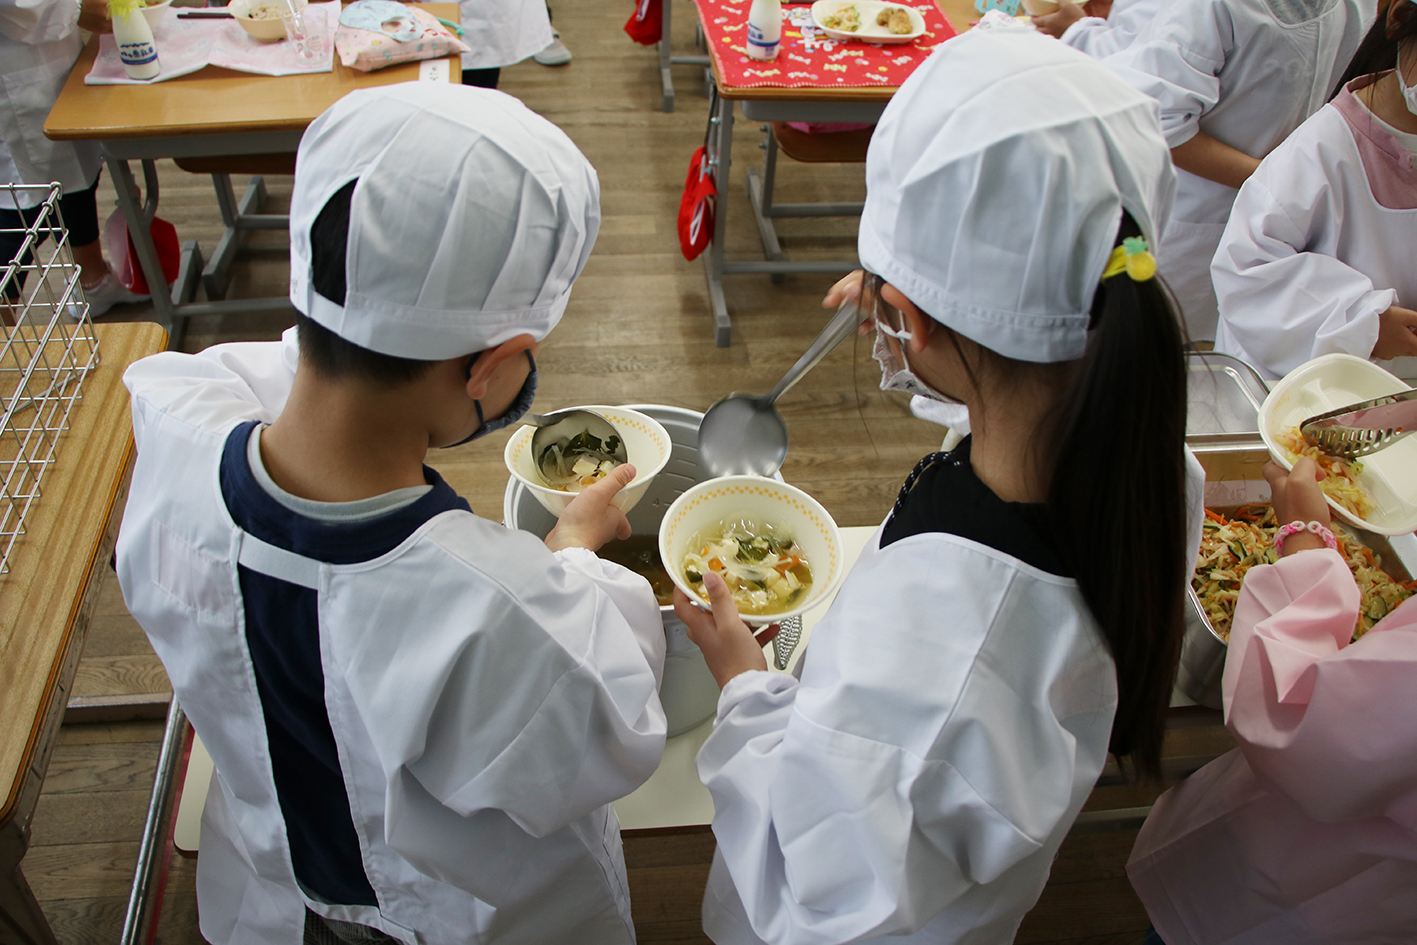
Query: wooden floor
x=638, y=330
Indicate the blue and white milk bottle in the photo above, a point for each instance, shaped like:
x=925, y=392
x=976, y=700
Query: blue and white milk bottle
x=764, y=28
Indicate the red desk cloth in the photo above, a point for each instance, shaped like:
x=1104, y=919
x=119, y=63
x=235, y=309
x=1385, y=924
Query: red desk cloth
x=808, y=58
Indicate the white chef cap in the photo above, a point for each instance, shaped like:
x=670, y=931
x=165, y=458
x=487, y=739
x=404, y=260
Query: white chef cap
x=995, y=183
x=471, y=218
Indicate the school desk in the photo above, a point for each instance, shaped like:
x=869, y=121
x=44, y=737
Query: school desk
x=48, y=595
x=212, y=113
x=820, y=102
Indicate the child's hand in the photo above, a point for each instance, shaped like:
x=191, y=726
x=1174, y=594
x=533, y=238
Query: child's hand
x=590, y=520
x=1296, y=497
x=848, y=287
x=1056, y=24
x=727, y=642
x=1397, y=333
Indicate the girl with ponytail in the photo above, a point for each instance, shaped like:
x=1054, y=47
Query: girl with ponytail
x=1020, y=610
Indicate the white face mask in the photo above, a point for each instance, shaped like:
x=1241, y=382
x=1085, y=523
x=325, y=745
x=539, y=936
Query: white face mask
x=895, y=373
x=1409, y=94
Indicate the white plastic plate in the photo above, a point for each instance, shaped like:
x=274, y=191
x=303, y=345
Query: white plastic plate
x=869, y=32
x=1331, y=382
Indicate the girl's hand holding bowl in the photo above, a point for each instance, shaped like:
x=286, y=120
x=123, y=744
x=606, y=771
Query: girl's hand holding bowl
x=728, y=644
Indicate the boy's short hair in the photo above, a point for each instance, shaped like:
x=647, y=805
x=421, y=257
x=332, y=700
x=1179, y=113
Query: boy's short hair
x=328, y=353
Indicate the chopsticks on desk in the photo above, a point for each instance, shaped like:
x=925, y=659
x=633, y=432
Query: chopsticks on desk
x=205, y=15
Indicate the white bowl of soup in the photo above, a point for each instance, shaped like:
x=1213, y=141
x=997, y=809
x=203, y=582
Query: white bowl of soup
x=773, y=544
x=647, y=448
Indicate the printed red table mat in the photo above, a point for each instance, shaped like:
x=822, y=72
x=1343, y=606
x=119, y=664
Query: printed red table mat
x=808, y=58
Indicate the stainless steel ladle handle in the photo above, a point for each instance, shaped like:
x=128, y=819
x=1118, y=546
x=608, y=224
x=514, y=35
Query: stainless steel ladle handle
x=841, y=327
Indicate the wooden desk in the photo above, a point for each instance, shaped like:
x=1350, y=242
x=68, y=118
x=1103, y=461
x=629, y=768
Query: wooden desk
x=211, y=113
x=768, y=104
x=45, y=601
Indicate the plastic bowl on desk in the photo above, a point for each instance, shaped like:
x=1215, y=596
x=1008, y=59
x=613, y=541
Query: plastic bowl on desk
x=267, y=29
x=154, y=12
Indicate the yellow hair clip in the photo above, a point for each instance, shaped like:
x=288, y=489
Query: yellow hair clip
x=1133, y=258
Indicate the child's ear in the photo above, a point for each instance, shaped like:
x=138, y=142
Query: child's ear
x=485, y=363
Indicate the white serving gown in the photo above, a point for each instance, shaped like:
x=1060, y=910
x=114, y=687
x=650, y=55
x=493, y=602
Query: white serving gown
x=1247, y=73
x=488, y=698
x=1319, y=244
x=503, y=32
x=952, y=716
x=39, y=42
x=1099, y=37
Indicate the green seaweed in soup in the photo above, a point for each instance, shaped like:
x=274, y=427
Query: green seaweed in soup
x=762, y=565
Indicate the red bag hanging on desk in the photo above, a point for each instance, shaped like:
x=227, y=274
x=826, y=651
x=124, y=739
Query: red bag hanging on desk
x=124, y=255
x=696, y=207
x=646, y=24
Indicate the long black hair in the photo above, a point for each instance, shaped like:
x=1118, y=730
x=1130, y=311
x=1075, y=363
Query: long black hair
x=1378, y=50
x=1117, y=498
x=1113, y=451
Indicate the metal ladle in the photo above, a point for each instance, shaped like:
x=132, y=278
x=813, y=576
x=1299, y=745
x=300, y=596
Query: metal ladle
x=564, y=424
x=743, y=434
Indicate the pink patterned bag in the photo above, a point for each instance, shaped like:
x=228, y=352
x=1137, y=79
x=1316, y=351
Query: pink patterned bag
x=420, y=36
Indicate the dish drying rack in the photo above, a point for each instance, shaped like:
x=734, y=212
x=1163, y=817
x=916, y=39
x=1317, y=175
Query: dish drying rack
x=47, y=348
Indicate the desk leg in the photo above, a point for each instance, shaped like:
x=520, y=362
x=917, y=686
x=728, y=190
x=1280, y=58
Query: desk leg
x=138, y=220
x=720, y=158
x=666, y=43
x=21, y=919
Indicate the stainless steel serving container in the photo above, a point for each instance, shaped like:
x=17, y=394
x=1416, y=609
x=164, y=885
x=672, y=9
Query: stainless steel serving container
x=1224, y=395
x=1222, y=429
x=688, y=691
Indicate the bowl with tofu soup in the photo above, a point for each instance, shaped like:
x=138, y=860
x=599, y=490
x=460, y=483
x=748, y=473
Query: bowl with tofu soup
x=871, y=21
x=261, y=18
x=688, y=692
x=774, y=545
x=1040, y=7
x=582, y=459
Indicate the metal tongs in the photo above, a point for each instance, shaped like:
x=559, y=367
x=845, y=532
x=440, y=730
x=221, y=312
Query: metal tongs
x=1363, y=428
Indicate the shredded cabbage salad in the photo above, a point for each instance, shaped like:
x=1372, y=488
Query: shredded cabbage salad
x=762, y=566
x=847, y=19
x=1341, y=475
x=1231, y=546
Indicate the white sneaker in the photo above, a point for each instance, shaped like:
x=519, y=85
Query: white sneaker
x=556, y=54
x=108, y=293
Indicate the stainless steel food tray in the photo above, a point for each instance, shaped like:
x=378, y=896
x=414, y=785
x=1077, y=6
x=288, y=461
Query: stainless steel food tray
x=1234, y=477
x=1223, y=398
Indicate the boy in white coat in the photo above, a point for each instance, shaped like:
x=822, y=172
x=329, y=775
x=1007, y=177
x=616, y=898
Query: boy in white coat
x=418, y=718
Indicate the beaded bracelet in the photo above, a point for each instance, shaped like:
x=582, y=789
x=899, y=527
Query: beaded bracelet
x=1294, y=527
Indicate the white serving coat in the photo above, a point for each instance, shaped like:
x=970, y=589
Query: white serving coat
x=1247, y=73
x=1319, y=244
x=39, y=42
x=503, y=32
x=488, y=699
x=953, y=714
x=1099, y=37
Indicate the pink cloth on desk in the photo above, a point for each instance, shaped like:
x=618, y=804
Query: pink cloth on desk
x=1307, y=833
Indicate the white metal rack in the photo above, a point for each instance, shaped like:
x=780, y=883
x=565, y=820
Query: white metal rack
x=47, y=347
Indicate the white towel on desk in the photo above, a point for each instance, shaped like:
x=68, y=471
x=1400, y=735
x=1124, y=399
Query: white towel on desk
x=185, y=46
